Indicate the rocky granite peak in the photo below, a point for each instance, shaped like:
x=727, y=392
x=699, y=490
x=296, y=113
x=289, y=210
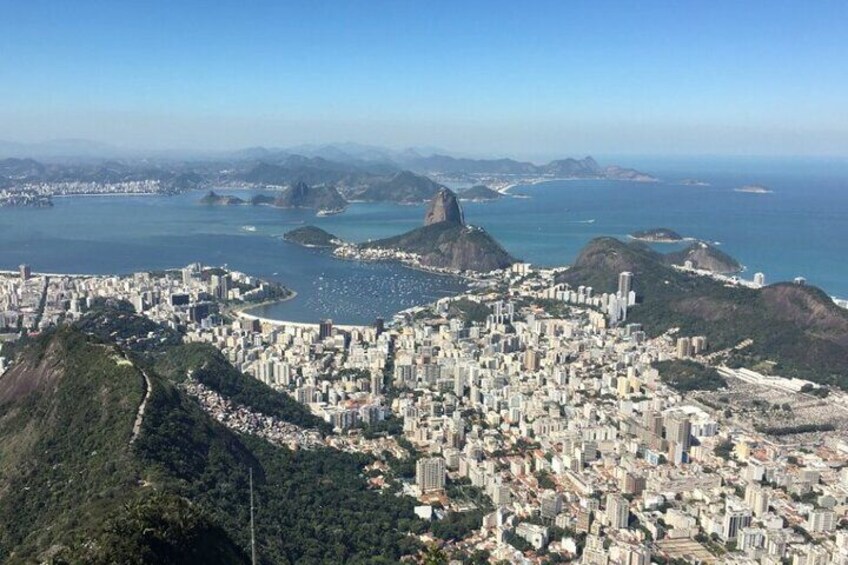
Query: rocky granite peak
x=444, y=207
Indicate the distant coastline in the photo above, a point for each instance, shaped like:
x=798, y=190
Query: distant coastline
x=505, y=190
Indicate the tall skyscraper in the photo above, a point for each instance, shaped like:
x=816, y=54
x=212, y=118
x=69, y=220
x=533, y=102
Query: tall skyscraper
x=219, y=285
x=325, y=329
x=430, y=474
x=618, y=511
x=734, y=520
x=551, y=504
x=625, y=282
x=756, y=497
x=684, y=347
x=26, y=272
x=678, y=429
x=531, y=360
x=821, y=520
x=376, y=383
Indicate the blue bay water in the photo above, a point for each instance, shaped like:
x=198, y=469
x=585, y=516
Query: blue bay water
x=799, y=229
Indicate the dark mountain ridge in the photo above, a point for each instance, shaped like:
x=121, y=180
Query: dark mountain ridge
x=403, y=187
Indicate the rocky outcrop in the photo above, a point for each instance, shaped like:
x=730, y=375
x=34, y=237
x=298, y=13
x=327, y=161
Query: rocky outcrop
x=444, y=207
x=446, y=242
x=301, y=195
x=706, y=257
x=215, y=199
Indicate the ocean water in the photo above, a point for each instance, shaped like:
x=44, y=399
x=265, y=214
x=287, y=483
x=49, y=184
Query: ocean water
x=118, y=234
x=800, y=229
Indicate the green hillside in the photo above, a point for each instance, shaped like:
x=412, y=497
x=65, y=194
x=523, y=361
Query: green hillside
x=73, y=488
x=799, y=328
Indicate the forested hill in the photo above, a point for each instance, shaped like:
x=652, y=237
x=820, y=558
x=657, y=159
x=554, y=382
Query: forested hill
x=74, y=488
x=798, y=328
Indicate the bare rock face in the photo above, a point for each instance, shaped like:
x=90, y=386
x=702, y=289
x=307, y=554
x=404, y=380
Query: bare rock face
x=444, y=207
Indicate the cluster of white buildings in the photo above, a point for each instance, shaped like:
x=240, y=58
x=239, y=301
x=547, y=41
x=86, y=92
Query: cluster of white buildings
x=69, y=188
x=561, y=421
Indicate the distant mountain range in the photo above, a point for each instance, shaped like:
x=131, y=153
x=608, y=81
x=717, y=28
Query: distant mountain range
x=356, y=172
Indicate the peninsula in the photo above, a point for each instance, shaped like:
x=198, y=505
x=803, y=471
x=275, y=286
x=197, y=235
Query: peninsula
x=445, y=243
x=479, y=193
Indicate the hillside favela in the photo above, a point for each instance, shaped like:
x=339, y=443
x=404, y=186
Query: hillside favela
x=439, y=283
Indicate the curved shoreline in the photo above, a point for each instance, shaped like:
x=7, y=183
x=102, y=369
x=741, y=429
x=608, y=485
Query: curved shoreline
x=245, y=314
x=244, y=310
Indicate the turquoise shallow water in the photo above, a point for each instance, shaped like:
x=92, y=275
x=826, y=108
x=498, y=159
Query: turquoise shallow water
x=799, y=229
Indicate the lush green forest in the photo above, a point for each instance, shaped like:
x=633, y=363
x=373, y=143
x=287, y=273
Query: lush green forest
x=685, y=376
x=73, y=488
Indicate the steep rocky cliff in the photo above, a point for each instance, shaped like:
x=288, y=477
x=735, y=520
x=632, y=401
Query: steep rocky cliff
x=444, y=207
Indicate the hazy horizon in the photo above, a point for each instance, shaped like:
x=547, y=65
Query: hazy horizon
x=479, y=79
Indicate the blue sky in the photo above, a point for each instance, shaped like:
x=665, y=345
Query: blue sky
x=517, y=78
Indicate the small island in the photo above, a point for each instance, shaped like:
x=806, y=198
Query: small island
x=694, y=182
x=215, y=199
x=312, y=236
x=657, y=235
x=325, y=199
x=479, y=193
x=754, y=189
